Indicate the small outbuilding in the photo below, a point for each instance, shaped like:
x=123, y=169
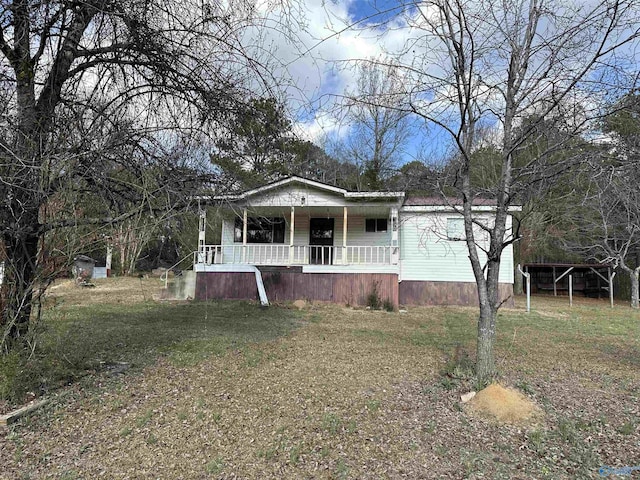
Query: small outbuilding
x=83, y=268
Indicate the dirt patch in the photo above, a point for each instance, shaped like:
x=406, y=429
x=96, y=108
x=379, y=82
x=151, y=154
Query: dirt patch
x=505, y=405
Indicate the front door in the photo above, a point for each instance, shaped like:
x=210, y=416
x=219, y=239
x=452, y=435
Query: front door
x=321, y=241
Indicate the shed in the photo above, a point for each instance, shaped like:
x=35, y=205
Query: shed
x=83, y=268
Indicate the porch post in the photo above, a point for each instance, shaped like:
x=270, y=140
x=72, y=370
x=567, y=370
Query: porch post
x=202, y=228
x=291, y=230
x=344, y=235
x=244, y=236
x=394, y=236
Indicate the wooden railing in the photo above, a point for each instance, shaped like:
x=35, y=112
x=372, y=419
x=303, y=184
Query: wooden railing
x=274, y=254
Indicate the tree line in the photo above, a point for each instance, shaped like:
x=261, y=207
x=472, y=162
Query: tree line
x=116, y=115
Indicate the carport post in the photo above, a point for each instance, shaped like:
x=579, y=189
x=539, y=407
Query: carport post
x=571, y=290
x=528, y=277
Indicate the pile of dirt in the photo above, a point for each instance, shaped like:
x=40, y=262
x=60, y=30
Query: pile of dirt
x=505, y=405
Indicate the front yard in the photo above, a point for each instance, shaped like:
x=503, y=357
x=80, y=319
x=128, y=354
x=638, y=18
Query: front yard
x=229, y=390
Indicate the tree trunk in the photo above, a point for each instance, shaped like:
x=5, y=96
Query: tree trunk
x=20, y=277
x=485, y=362
x=518, y=283
x=635, y=290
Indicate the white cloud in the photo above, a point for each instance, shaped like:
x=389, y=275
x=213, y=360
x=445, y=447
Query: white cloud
x=319, y=63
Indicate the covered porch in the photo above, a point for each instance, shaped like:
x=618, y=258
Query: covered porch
x=359, y=236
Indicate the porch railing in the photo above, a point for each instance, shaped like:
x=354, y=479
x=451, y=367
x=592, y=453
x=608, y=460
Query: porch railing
x=273, y=254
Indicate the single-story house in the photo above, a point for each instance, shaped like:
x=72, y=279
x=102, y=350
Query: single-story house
x=308, y=240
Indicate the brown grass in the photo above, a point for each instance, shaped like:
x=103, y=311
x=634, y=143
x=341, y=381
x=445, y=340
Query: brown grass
x=355, y=394
x=112, y=291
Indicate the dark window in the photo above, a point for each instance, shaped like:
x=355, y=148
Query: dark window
x=370, y=225
x=376, y=225
x=260, y=230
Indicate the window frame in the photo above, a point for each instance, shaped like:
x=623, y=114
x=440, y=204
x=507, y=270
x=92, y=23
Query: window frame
x=376, y=221
x=449, y=230
x=274, y=225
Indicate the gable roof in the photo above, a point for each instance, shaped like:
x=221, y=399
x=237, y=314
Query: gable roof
x=414, y=203
x=309, y=183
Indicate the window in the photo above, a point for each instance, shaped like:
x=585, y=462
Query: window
x=260, y=230
x=375, y=225
x=455, y=228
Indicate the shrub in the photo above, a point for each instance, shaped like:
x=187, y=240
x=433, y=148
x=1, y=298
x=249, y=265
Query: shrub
x=460, y=366
x=388, y=306
x=373, y=299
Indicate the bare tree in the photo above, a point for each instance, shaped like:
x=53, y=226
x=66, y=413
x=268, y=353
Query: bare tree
x=379, y=131
x=606, y=220
x=521, y=67
x=95, y=97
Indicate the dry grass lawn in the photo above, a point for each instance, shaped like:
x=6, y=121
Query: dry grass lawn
x=345, y=393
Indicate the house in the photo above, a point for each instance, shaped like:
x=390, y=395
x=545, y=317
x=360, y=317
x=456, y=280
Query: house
x=309, y=240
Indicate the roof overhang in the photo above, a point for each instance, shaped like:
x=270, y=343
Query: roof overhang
x=455, y=208
x=307, y=183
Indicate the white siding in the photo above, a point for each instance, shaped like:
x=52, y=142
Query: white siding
x=427, y=255
x=356, y=236
x=293, y=194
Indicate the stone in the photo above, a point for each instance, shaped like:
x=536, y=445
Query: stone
x=467, y=396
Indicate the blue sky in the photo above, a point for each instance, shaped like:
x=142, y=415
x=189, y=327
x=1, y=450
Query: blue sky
x=321, y=65
x=326, y=71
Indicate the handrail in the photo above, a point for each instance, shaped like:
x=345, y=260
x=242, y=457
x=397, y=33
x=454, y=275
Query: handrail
x=166, y=274
x=282, y=254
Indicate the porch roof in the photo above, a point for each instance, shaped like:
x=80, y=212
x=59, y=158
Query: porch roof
x=363, y=210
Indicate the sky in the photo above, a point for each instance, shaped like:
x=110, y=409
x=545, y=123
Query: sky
x=318, y=63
